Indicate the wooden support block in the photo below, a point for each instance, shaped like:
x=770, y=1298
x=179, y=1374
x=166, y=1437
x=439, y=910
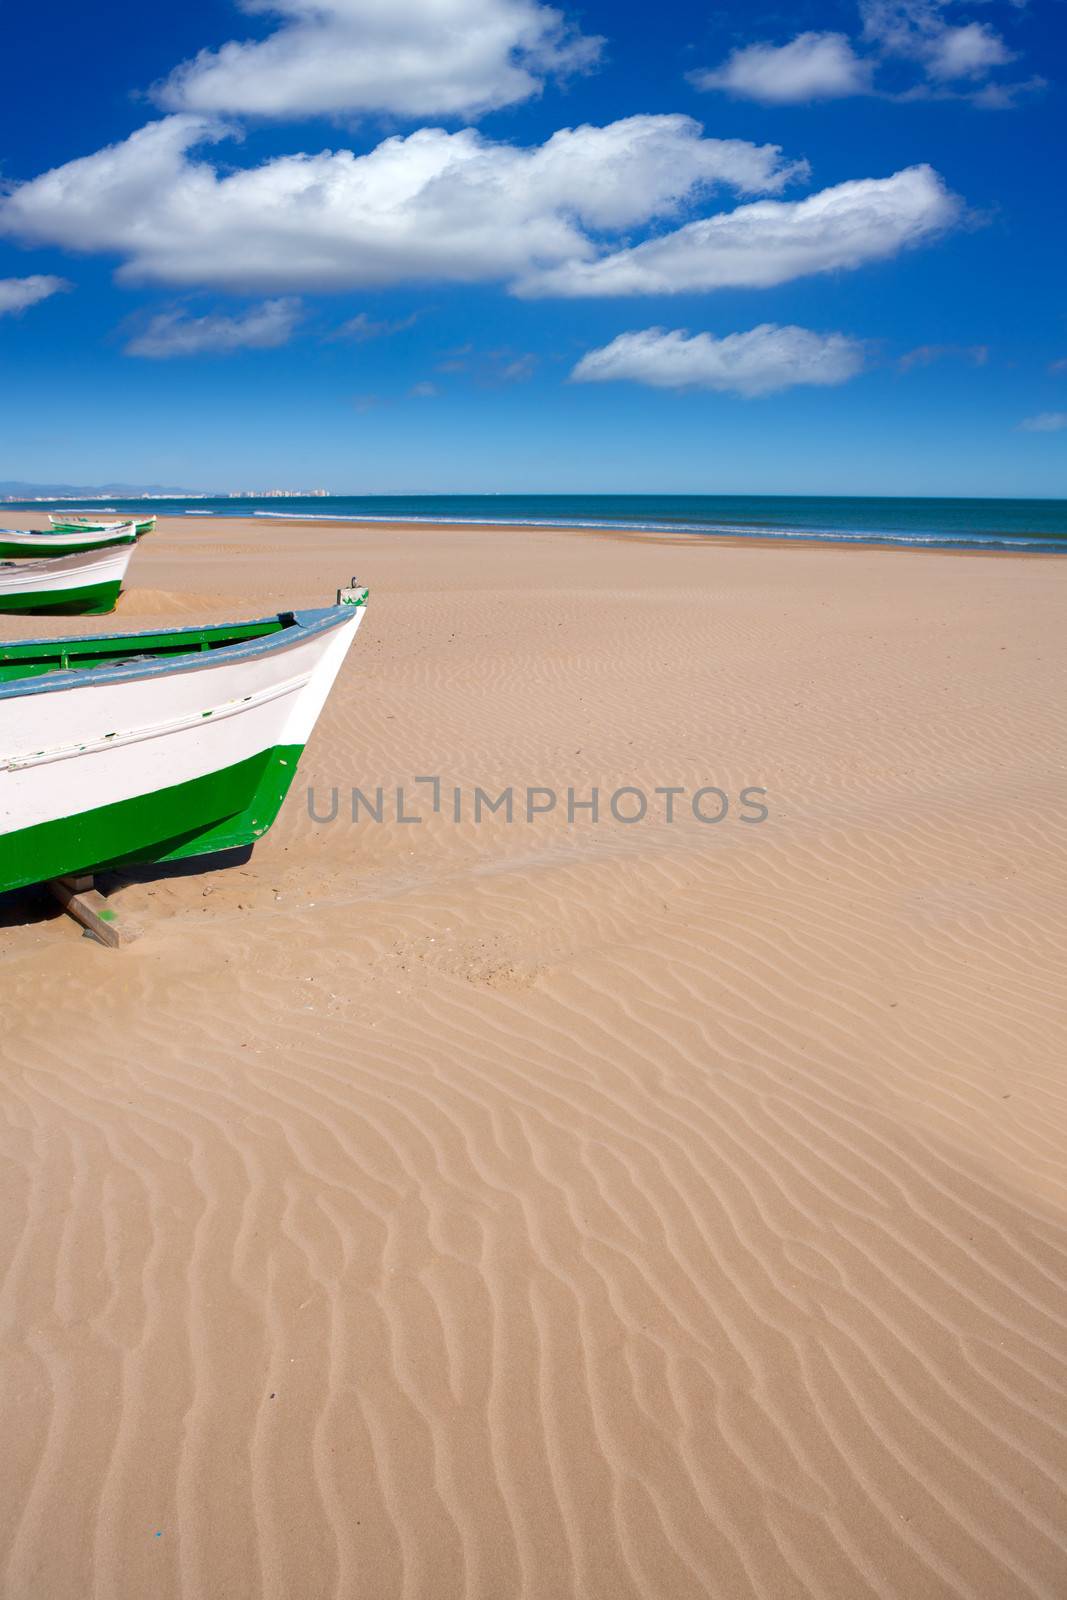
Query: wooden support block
x=86, y=905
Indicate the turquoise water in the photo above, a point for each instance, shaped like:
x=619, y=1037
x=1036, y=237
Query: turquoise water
x=944, y=524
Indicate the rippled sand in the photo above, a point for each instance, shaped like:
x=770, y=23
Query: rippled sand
x=523, y=1211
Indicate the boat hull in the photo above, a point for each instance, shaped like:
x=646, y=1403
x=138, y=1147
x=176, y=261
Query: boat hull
x=17, y=544
x=92, y=600
x=219, y=810
x=82, y=585
x=189, y=759
x=72, y=523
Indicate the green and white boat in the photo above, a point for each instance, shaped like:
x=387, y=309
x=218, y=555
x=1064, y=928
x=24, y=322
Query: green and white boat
x=153, y=747
x=99, y=521
x=85, y=584
x=29, y=544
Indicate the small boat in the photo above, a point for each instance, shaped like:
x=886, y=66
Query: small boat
x=96, y=521
x=87, y=584
x=30, y=543
x=153, y=747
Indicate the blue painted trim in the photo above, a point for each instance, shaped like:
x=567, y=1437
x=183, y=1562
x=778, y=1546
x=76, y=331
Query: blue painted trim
x=295, y=628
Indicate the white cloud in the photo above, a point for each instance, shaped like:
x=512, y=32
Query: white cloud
x=1045, y=422
x=18, y=293
x=769, y=242
x=434, y=206
x=813, y=66
x=760, y=361
x=412, y=58
x=969, y=51
x=954, y=58
x=173, y=333
x=917, y=30
x=996, y=96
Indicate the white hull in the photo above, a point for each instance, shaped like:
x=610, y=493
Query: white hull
x=75, y=539
x=93, y=745
x=57, y=575
x=95, y=521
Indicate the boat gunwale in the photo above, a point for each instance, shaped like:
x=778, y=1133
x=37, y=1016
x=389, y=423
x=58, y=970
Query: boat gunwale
x=294, y=628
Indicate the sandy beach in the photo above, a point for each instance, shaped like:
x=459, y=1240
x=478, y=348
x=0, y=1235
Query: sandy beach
x=467, y=1208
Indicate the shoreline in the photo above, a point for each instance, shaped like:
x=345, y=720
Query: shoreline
x=646, y=536
x=990, y=539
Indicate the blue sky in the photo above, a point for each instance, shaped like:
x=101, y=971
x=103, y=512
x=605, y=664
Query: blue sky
x=813, y=249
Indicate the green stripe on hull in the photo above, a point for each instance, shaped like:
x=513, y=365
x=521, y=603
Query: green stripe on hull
x=93, y=600
x=219, y=811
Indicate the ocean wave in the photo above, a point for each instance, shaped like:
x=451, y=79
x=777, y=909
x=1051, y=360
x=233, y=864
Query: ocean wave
x=944, y=541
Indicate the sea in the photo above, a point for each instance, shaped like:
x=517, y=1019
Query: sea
x=1037, y=525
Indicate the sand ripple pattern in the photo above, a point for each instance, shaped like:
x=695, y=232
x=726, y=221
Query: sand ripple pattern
x=445, y=1213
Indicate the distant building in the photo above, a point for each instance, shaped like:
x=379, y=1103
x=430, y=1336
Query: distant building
x=278, y=494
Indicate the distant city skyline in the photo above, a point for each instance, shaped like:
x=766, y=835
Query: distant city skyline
x=37, y=492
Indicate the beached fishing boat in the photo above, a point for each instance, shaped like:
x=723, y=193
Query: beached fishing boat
x=98, y=521
x=151, y=747
x=85, y=584
x=30, y=544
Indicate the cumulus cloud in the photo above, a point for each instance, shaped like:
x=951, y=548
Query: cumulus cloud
x=758, y=362
x=769, y=242
x=813, y=66
x=969, y=51
x=18, y=293
x=411, y=58
x=174, y=333
x=954, y=57
x=1045, y=422
x=920, y=31
x=447, y=207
